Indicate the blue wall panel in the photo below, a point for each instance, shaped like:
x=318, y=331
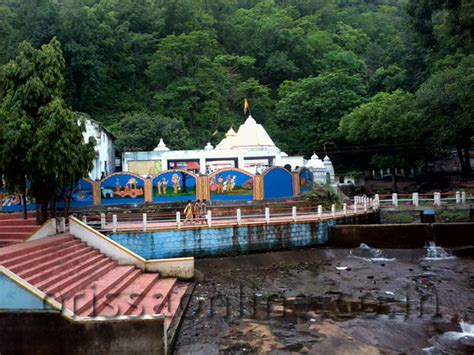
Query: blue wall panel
x=277, y=183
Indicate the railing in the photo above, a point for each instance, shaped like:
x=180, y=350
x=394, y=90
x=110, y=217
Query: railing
x=238, y=217
x=416, y=199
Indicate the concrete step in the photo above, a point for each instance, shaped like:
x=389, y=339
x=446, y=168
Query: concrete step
x=129, y=299
x=89, y=301
x=50, y=277
x=18, y=222
x=5, y=216
x=21, y=249
x=31, y=260
x=19, y=228
x=87, y=277
x=173, y=303
x=9, y=242
x=36, y=253
x=154, y=300
x=15, y=235
x=52, y=264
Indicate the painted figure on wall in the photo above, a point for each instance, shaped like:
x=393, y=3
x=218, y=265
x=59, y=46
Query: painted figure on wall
x=231, y=184
x=122, y=186
x=182, y=186
x=306, y=180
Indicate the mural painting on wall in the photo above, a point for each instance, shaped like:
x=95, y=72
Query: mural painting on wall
x=122, y=188
x=277, y=183
x=306, y=180
x=174, y=185
x=13, y=202
x=231, y=185
x=82, y=194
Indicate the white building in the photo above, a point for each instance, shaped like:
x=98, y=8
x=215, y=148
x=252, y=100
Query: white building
x=250, y=148
x=104, y=161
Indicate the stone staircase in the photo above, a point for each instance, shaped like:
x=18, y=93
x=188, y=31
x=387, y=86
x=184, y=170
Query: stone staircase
x=15, y=229
x=89, y=283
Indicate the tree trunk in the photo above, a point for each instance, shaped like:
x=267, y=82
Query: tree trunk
x=461, y=161
x=467, y=160
x=44, y=211
x=394, y=181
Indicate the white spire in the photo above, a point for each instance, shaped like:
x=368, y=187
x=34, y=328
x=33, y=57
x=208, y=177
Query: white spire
x=208, y=146
x=161, y=147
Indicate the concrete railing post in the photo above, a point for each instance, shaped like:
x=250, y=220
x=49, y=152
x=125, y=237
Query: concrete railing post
x=84, y=219
x=62, y=223
x=178, y=220
x=102, y=220
x=377, y=201
x=458, y=197
x=395, y=199
x=463, y=197
x=333, y=211
x=344, y=209
x=239, y=217
x=114, y=223
x=144, y=222
x=355, y=208
x=365, y=206
x=381, y=174
x=415, y=199
x=293, y=213
x=320, y=211
x=267, y=215
x=209, y=218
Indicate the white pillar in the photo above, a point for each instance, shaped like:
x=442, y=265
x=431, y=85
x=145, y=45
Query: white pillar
x=62, y=222
x=373, y=174
x=178, y=220
x=365, y=206
x=437, y=198
x=377, y=201
x=355, y=208
x=84, y=219
x=402, y=171
x=388, y=171
x=320, y=211
x=293, y=213
x=415, y=199
x=209, y=218
x=144, y=222
x=395, y=199
x=458, y=197
x=463, y=197
x=102, y=220
x=239, y=216
x=114, y=223
x=267, y=215
x=202, y=165
x=333, y=210
x=381, y=173
x=344, y=209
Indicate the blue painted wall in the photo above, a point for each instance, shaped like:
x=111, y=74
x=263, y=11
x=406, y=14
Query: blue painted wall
x=172, y=178
x=115, y=190
x=221, y=241
x=13, y=296
x=306, y=180
x=277, y=183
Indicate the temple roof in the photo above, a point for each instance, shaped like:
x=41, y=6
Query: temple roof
x=250, y=135
x=315, y=162
x=161, y=147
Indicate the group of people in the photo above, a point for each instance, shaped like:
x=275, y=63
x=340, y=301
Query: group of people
x=196, y=212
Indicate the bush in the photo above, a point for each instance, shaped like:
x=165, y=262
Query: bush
x=323, y=195
x=399, y=218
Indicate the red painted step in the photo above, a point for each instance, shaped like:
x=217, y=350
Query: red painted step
x=21, y=249
x=154, y=300
x=15, y=222
x=19, y=228
x=91, y=300
x=15, y=235
x=5, y=216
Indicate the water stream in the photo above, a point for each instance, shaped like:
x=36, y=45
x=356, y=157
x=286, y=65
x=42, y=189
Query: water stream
x=434, y=252
x=371, y=254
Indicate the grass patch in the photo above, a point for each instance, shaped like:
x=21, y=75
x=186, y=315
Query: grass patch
x=454, y=216
x=399, y=218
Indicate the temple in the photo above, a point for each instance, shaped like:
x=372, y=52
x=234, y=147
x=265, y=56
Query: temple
x=250, y=148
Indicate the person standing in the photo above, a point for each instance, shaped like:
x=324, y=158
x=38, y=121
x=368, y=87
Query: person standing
x=188, y=212
x=204, y=212
x=197, y=210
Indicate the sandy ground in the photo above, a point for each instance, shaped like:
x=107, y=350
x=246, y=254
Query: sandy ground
x=300, y=302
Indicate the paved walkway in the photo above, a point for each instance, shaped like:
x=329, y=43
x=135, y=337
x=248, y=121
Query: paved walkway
x=227, y=221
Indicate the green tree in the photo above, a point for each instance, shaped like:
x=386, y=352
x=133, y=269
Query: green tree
x=446, y=100
x=391, y=126
x=42, y=138
x=141, y=131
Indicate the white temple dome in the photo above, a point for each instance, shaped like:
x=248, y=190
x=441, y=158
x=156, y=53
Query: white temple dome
x=315, y=162
x=326, y=158
x=252, y=135
x=161, y=147
x=208, y=146
x=228, y=141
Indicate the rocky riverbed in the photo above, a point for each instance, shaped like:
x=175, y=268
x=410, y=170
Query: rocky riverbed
x=331, y=301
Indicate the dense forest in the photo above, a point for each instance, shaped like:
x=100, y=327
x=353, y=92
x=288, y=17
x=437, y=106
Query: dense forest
x=375, y=83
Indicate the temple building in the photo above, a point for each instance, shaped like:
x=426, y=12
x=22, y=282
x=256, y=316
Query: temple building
x=250, y=148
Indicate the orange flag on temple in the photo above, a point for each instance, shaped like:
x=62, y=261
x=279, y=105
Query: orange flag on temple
x=246, y=105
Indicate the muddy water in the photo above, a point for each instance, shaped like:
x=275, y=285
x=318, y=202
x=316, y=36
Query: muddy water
x=330, y=301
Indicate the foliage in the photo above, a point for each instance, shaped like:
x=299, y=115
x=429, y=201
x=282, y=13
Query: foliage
x=303, y=65
x=42, y=139
x=324, y=196
x=398, y=218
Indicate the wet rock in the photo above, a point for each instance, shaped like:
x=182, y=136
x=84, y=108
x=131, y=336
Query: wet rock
x=370, y=277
